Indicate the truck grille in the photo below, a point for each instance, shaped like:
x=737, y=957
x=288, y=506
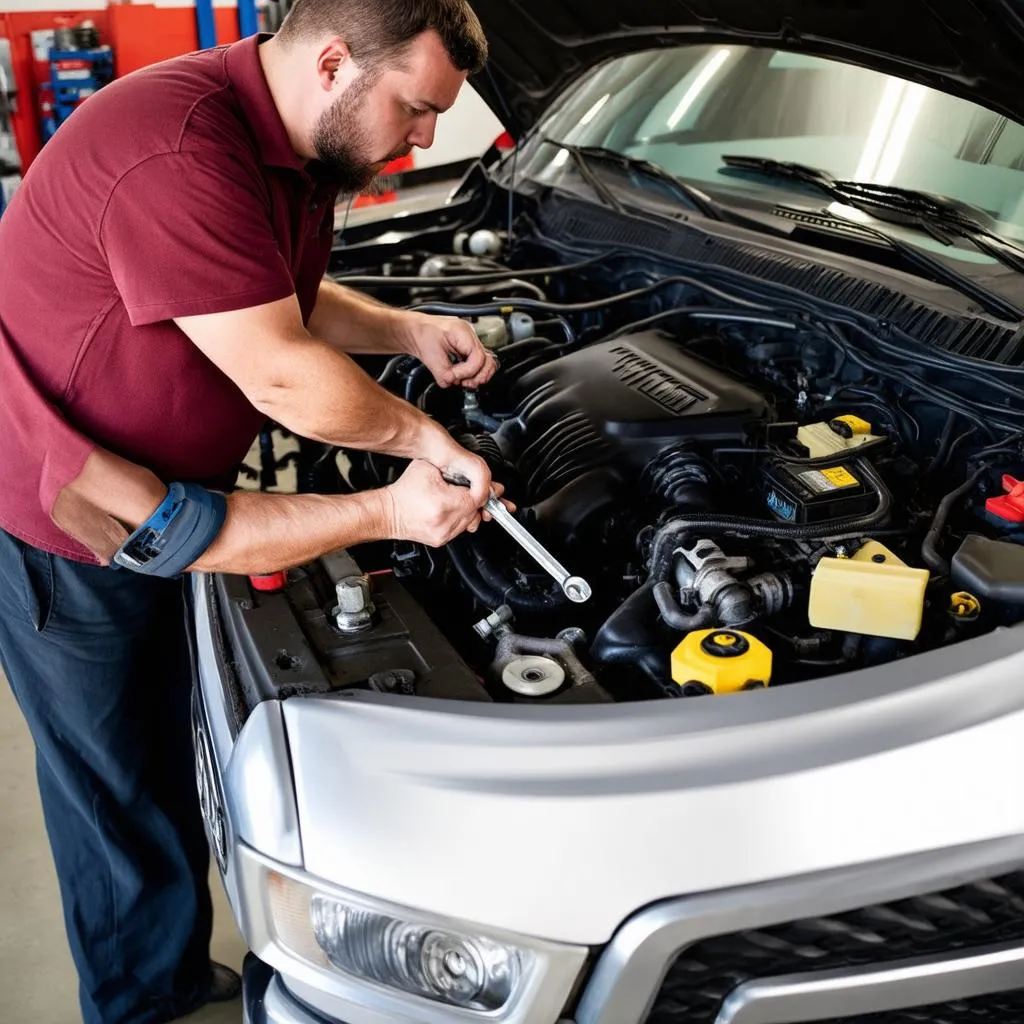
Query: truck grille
x=979, y=914
x=1000, y=1008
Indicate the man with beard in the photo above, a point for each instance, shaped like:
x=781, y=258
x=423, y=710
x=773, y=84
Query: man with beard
x=161, y=297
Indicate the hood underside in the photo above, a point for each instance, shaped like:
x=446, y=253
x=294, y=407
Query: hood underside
x=971, y=48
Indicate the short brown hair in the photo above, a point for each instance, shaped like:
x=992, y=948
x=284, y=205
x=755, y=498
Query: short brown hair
x=374, y=29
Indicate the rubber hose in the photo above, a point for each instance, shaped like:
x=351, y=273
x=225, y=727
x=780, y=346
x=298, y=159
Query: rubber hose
x=527, y=345
x=674, y=615
x=626, y=637
x=414, y=380
x=477, y=587
x=669, y=535
x=929, y=548
x=945, y=441
x=393, y=366
x=482, y=277
x=511, y=595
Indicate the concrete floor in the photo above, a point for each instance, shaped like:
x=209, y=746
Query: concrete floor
x=37, y=978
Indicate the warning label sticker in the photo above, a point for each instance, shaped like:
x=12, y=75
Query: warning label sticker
x=821, y=481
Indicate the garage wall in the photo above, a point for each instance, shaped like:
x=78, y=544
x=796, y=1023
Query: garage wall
x=140, y=34
x=95, y=5
x=144, y=33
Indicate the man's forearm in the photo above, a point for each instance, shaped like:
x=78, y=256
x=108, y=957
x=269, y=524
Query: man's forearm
x=325, y=396
x=355, y=323
x=262, y=532
x=269, y=532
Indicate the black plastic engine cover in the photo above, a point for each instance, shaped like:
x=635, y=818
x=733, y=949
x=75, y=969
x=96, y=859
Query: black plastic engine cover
x=619, y=402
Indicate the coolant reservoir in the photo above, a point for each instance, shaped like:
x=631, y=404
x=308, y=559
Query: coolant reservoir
x=721, y=661
x=873, y=593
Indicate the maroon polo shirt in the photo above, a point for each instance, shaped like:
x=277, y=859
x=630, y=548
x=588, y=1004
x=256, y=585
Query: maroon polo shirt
x=172, y=192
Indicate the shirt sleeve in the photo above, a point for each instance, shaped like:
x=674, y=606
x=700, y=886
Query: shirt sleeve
x=187, y=234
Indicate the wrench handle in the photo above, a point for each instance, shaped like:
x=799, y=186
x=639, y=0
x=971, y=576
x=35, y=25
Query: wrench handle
x=526, y=540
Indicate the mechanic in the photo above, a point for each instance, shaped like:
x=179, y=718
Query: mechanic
x=161, y=298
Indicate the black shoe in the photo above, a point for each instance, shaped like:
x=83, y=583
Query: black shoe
x=224, y=986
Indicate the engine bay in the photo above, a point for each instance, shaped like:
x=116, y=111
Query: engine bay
x=760, y=492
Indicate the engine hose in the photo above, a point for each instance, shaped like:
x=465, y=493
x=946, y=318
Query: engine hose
x=674, y=615
x=596, y=305
x=490, y=588
x=527, y=345
x=483, y=277
x=929, y=547
x=394, y=367
x=681, y=477
x=512, y=595
x=669, y=536
x=414, y=381
x=945, y=442
x=461, y=562
x=627, y=637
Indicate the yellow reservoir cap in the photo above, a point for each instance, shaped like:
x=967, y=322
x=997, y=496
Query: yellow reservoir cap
x=721, y=661
x=873, y=593
x=854, y=424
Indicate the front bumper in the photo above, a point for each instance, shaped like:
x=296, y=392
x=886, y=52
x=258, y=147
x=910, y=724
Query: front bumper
x=266, y=1001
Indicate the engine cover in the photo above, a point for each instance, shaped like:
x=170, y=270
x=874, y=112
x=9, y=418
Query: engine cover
x=615, y=406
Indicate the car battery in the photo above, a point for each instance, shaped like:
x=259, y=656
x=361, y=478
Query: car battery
x=798, y=493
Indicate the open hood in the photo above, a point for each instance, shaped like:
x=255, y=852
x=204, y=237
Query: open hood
x=972, y=48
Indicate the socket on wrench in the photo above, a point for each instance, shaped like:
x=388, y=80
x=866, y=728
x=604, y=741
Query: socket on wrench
x=575, y=588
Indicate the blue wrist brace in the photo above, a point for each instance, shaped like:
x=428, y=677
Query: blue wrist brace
x=184, y=525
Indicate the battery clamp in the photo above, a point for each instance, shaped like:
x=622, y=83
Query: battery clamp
x=183, y=526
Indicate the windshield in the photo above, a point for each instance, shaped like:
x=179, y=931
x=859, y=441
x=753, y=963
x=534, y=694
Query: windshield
x=685, y=108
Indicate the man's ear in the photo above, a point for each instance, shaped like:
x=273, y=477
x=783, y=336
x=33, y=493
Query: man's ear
x=333, y=61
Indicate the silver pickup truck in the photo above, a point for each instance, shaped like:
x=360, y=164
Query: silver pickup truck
x=753, y=276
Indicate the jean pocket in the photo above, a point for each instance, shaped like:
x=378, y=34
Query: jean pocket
x=39, y=586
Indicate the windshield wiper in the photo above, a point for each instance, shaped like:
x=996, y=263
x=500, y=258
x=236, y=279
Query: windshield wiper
x=938, y=216
x=585, y=156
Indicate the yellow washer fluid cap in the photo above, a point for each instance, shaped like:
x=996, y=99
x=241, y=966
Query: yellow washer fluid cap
x=872, y=593
x=721, y=661
x=848, y=426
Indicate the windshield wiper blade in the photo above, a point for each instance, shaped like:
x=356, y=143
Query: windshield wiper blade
x=930, y=267
x=937, y=216
x=994, y=304
x=782, y=169
x=584, y=156
x=587, y=172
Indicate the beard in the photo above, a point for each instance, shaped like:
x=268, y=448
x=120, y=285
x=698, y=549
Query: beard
x=341, y=139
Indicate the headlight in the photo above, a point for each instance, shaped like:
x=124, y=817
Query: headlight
x=416, y=957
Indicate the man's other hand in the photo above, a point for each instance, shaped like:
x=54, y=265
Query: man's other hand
x=448, y=347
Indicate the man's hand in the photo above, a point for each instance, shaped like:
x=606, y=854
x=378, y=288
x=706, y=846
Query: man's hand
x=445, y=454
x=421, y=507
x=436, y=340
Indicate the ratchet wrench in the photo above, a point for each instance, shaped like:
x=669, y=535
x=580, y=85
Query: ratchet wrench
x=575, y=588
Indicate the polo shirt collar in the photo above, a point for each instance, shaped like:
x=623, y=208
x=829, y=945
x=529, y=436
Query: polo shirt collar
x=245, y=73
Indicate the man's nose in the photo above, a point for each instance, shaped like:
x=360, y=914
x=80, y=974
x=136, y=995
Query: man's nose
x=422, y=134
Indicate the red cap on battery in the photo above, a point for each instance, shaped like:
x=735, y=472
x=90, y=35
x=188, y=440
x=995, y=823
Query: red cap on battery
x=1009, y=506
x=269, y=582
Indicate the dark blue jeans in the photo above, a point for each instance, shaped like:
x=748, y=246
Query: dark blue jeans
x=98, y=661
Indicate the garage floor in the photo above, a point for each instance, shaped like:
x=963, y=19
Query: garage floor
x=37, y=978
